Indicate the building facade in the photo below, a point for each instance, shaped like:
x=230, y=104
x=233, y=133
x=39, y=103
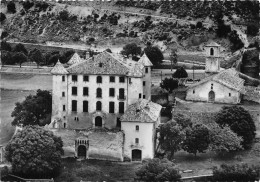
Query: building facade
x=96, y=92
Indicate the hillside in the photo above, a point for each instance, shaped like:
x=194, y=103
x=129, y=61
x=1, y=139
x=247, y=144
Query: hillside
x=185, y=25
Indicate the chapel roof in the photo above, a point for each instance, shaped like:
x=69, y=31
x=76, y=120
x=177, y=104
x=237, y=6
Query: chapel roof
x=107, y=63
x=229, y=78
x=59, y=69
x=75, y=59
x=142, y=111
x=144, y=60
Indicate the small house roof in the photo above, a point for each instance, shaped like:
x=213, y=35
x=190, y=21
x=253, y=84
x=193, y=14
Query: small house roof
x=142, y=111
x=212, y=44
x=144, y=60
x=59, y=69
x=229, y=78
x=74, y=59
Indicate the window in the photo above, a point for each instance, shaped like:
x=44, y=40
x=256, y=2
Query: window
x=112, y=79
x=122, y=79
x=74, y=78
x=63, y=94
x=121, y=107
x=85, y=91
x=193, y=91
x=99, y=92
x=111, y=107
x=130, y=81
x=118, y=123
x=64, y=108
x=229, y=94
x=121, y=93
x=85, y=78
x=143, y=96
x=98, y=106
x=137, y=127
x=99, y=79
x=74, y=91
x=76, y=118
x=143, y=83
x=64, y=125
x=100, y=65
x=137, y=141
x=140, y=96
x=146, y=70
x=85, y=106
x=111, y=92
x=63, y=78
x=211, y=51
x=74, y=105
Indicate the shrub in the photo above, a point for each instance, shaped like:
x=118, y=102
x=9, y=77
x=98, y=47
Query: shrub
x=238, y=172
x=199, y=24
x=11, y=7
x=180, y=73
x=27, y=4
x=169, y=84
x=2, y=17
x=64, y=15
x=253, y=29
x=158, y=170
x=5, y=46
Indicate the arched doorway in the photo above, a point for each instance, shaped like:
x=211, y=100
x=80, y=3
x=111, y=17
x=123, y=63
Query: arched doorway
x=82, y=151
x=211, y=96
x=136, y=155
x=98, y=121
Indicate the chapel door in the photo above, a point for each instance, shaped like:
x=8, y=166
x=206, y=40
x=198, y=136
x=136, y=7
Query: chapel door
x=211, y=96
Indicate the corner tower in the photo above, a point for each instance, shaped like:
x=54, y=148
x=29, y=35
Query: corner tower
x=213, y=58
x=59, y=96
x=144, y=60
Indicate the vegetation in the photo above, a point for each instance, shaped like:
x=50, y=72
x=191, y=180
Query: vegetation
x=158, y=170
x=182, y=120
x=11, y=7
x=180, y=73
x=34, y=153
x=131, y=49
x=223, y=140
x=5, y=46
x=20, y=48
x=253, y=29
x=238, y=172
x=154, y=54
x=170, y=137
x=34, y=110
x=2, y=17
x=20, y=58
x=36, y=56
x=173, y=57
x=169, y=84
x=240, y=122
x=197, y=139
x=6, y=58
x=235, y=40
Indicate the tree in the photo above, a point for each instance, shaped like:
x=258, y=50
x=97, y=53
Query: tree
x=182, y=120
x=34, y=110
x=173, y=57
x=131, y=49
x=34, y=152
x=36, y=56
x=180, y=73
x=2, y=17
x=170, y=137
x=11, y=7
x=154, y=54
x=224, y=139
x=20, y=48
x=235, y=40
x=169, y=84
x=6, y=58
x=53, y=59
x=158, y=170
x=197, y=139
x=66, y=56
x=240, y=121
x=20, y=58
x=5, y=46
x=237, y=172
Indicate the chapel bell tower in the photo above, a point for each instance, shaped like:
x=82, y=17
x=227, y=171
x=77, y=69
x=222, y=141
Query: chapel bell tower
x=213, y=58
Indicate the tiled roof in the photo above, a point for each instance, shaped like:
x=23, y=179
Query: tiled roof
x=58, y=69
x=75, y=59
x=229, y=78
x=144, y=60
x=142, y=111
x=212, y=44
x=106, y=63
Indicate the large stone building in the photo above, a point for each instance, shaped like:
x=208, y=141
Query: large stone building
x=218, y=86
x=97, y=92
